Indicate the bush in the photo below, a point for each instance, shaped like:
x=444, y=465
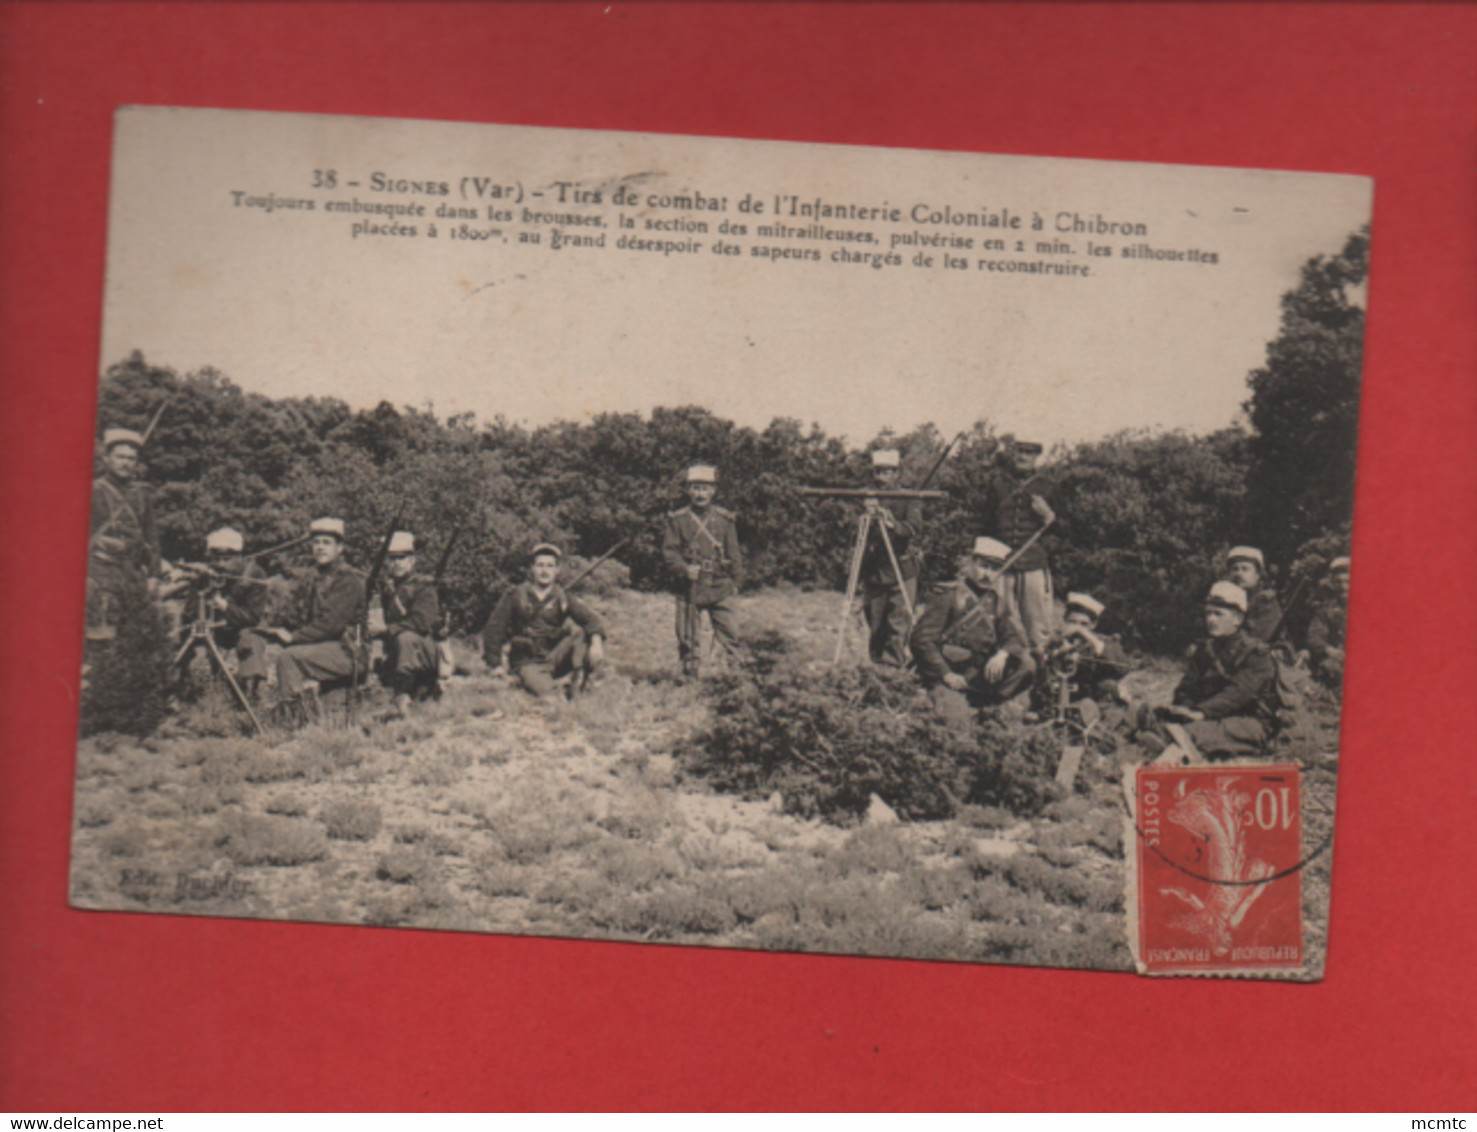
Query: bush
x=250, y=840
x=351, y=821
x=125, y=680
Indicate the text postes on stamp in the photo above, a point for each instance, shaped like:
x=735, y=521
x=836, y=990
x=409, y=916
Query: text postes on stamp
x=1218, y=873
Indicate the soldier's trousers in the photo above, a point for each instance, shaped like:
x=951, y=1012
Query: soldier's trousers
x=689, y=625
x=570, y=655
x=1226, y=738
x=411, y=661
x=958, y=709
x=888, y=622
x=323, y=661
x=251, y=652
x=1028, y=595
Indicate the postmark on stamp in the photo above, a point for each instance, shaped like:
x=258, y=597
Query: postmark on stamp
x=1218, y=870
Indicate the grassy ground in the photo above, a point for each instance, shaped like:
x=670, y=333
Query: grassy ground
x=577, y=820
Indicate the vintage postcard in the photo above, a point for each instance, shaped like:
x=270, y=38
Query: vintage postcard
x=732, y=543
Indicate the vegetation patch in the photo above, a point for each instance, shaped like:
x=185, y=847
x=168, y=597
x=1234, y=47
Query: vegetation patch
x=351, y=821
x=249, y=839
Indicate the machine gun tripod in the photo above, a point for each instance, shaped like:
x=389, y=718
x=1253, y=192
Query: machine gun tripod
x=866, y=522
x=201, y=632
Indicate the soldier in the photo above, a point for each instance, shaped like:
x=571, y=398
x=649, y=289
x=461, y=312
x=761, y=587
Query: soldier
x=1246, y=567
x=1013, y=515
x=1326, y=630
x=1223, y=698
x=887, y=613
x=970, y=649
x=551, y=637
x=325, y=645
x=238, y=598
x=701, y=549
x=1087, y=662
x=406, y=620
x=123, y=547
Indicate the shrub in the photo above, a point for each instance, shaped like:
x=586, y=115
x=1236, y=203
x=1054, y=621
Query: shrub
x=125, y=681
x=351, y=821
x=251, y=840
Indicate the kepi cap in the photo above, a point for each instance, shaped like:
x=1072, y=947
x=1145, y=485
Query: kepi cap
x=227, y=540
x=885, y=458
x=1247, y=554
x=990, y=548
x=1087, y=603
x=1228, y=595
x=115, y=436
x=334, y=527
x=401, y=542
x=702, y=473
x=546, y=548
x=1339, y=566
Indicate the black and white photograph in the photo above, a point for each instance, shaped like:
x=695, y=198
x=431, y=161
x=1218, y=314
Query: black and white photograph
x=719, y=542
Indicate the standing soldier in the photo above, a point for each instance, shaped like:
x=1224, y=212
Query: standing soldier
x=1326, y=630
x=408, y=615
x=324, y=647
x=123, y=547
x=1013, y=515
x=1223, y=698
x=701, y=548
x=548, y=634
x=1083, y=663
x=969, y=646
x=239, y=600
x=887, y=612
x=1246, y=567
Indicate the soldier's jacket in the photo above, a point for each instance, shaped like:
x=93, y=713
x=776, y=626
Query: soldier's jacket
x=1096, y=677
x=959, y=622
x=709, y=540
x=522, y=616
x=335, y=601
x=1228, y=676
x=1008, y=517
x=907, y=526
x=123, y=531
x=245, y=604
x=1326, y=630
x=1263, y=613
x=411, y=604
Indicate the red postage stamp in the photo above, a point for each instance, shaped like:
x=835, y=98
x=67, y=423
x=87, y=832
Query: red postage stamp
x=1218, y=870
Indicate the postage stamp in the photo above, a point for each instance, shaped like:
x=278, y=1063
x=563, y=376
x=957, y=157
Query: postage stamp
x=1218, y=869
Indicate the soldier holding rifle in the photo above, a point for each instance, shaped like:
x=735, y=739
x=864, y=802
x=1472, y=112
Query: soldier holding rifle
x=123, y=547
x=700, y=546
x=406, y=620
x=890, y=595
x=1012, y=513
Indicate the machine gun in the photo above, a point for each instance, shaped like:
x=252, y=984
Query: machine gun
x=205, y=582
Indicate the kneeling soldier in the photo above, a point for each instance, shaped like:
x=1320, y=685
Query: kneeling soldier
x=549, y=634
x=1083, y=664
x=322, y=647
x=409, y=614
x=239, y=601
x=970, y=649
x=701, y=548
x=1223, y=697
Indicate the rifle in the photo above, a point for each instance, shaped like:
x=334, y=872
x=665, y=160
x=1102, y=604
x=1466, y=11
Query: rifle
x=977, y=610
x=154, y=422
x=595, y=565
x=871, y=493
x=1297, y=596
x=370, y=580
x=288, y=545
x=939, y=463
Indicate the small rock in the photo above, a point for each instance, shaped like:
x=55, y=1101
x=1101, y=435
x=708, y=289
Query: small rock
x=880, y=813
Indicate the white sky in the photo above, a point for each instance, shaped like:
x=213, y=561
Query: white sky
x=287, y=303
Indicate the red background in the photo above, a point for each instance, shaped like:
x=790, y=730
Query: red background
x=122, y=1012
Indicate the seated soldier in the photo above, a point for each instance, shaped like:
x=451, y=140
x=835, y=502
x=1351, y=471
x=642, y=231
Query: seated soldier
x=238, y=599
x=551, y=638
x=1081, y=663
x=1247, y=568
x=1223, y=698
x=323, y=648
x=1326, y=630
x=970, y=649
x=408, y=615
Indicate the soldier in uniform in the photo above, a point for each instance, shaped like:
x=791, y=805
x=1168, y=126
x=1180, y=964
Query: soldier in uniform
x=325, y=645
x=970, y=649
x=1326, y=630
x=123, y=548
x=1087, y=662
x=237, y=598
x=543, y=634
x=1246, y=567
x=407, y=619
x=700, y=546
x=1224, y=697
x=1013, y=515
x=887, y=613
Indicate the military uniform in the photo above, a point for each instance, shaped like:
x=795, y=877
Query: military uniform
x=1087, y=675
x=708, y=539
x=123, y=549
x=245, y=604
x=548, y=636
x=324, y=648
x=1326, y=642
x=887, y=613
x=1263, y=614
x=412, y=613
x=959, y=630
x=1229, y=680
x=1026, y=587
